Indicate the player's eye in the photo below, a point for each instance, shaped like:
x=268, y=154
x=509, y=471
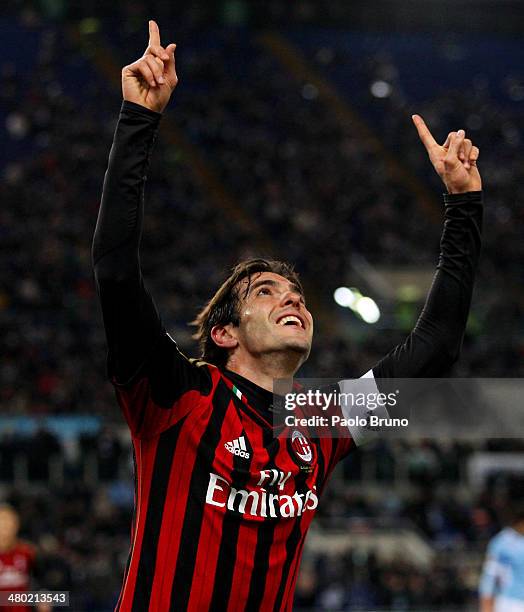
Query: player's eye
x=264, y=291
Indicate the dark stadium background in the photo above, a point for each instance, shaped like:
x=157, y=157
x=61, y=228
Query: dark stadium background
x=289, y=134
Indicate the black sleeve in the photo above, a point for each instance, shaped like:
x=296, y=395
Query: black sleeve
x=132, y=324
x=435, y=342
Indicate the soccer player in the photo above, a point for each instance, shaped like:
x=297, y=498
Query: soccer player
x=17, y=558
x=502, y=581
x=223, y=504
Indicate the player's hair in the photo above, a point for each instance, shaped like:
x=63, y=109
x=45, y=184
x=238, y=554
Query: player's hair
x=224, y=306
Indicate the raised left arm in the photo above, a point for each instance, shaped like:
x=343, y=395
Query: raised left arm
x=435, y=342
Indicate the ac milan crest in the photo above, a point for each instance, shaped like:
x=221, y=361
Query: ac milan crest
x=301, y=446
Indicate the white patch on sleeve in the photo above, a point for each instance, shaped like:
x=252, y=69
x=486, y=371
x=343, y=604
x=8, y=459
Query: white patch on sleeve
x=358, y=412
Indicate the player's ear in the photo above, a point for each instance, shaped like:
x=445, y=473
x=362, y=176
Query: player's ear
x=224, y=336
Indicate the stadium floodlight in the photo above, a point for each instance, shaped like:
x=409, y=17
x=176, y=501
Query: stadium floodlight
x=344, y=297
x=367, y=309
x=380, y=89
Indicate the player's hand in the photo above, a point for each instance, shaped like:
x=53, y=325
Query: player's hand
x=150, y=80
x=455, y=161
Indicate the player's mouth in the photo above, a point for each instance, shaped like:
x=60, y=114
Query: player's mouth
x=289, y=320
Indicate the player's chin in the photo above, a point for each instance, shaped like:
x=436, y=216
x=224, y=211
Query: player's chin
x=299, y=345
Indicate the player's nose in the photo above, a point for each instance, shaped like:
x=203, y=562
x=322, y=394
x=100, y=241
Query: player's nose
x=291, y=298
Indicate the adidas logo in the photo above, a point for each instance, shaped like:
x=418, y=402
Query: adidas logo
x=238, y=447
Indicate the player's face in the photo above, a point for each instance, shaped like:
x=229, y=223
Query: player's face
x=274, y=317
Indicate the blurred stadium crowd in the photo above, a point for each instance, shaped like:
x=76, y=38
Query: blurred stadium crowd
x=278, y=171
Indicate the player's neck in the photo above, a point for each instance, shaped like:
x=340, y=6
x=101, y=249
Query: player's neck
x=264, y=370
x=7, y=545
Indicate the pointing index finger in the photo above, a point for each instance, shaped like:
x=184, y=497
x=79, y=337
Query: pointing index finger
x=425, y=135
x=154, y=34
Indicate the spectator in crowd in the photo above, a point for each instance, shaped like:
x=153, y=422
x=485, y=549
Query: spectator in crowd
x=17, y=560
x=502, y=582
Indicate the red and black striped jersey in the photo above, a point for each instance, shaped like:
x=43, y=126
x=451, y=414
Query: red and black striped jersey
x=223, y=504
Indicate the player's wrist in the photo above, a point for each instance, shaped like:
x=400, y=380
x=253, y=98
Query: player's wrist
x=469, y=197
x=459, y=190
x=140, y=109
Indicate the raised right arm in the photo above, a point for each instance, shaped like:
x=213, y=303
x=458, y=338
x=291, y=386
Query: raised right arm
x=151, y=376
x=131, y=321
